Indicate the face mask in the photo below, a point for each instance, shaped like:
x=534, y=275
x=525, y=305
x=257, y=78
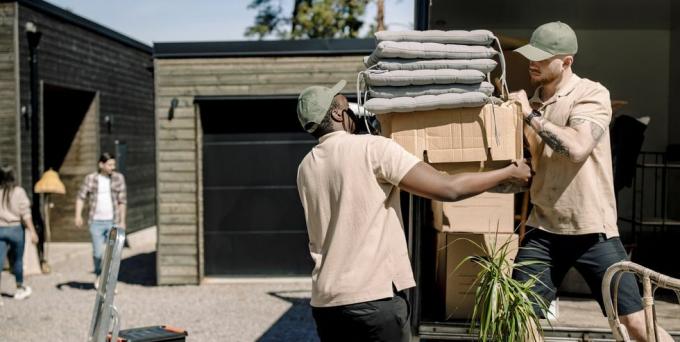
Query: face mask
x=364, y=124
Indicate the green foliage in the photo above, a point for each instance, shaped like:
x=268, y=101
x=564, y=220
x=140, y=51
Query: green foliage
x=268, y=19
x=310, y=19
x=503, y=306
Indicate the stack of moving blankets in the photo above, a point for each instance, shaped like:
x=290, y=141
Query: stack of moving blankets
x=426, y=70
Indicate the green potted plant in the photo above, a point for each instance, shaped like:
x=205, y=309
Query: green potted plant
x=503, y=308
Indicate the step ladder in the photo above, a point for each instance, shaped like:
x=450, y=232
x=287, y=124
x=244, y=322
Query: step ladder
x=105, y=317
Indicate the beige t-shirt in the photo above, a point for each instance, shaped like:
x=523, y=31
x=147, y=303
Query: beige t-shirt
x=574, y=198
x=19, y=207
x=348, y=188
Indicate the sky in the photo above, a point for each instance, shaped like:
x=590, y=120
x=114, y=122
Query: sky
x=151, y=21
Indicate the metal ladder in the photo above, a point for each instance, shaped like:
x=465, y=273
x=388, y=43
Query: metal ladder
x=648, y=277
x=105, y=316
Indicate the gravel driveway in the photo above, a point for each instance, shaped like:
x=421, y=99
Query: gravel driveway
x=62, y=302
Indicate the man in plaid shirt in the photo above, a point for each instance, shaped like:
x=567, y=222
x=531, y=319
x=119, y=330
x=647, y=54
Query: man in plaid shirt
x=107, y=205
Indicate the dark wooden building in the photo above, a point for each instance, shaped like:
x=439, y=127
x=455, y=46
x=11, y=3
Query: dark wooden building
x=228, y=146
x=69, y=90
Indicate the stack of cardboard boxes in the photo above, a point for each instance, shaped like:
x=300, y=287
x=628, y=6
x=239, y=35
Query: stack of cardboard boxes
x=464, y=140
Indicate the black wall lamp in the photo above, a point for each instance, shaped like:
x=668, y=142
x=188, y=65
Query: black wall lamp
x=108, y=120
x=27, y=118
x=173, y=104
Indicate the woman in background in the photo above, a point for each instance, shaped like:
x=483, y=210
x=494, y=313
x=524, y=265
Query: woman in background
x=15, y=209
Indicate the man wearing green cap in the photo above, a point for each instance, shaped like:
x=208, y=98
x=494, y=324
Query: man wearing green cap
x=349, y=189
x=574, y=215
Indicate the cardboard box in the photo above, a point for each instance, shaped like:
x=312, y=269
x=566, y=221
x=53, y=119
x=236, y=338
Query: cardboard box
x=460, y=292
x=484, y=213
x=491, y=132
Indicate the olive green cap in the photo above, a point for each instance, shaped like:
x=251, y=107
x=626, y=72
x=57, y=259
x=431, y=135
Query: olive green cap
x=548, y=40
x=313, y=104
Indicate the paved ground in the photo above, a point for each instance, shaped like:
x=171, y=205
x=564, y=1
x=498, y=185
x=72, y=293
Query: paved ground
x=62, y=303
x=581, y=312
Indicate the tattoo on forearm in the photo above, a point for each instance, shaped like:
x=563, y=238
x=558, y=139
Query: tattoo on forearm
x=554, y=142
x=550, y=138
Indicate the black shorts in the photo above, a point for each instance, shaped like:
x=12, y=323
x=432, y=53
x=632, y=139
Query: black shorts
x=378, y=320
x=590, y=254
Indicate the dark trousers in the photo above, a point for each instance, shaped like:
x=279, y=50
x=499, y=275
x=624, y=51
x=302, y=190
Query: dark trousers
x=12, y=239
x=590, y=254
x=385, y=320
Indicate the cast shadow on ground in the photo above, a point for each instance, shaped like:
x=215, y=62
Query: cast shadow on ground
x=138, y=269
x=79, y=285
x=296, y=324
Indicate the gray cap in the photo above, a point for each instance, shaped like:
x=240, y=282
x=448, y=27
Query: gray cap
x=548, y=40
x=313, y=104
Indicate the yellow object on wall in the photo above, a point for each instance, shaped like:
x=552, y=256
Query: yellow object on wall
x=50, y=183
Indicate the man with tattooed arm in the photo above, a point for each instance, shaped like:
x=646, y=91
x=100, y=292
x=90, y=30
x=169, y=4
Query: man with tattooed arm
x=573, y=221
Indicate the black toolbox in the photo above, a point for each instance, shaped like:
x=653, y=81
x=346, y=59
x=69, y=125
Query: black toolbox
x=159, y=333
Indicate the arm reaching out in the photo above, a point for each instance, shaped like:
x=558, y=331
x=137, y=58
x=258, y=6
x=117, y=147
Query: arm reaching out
x=426, y=181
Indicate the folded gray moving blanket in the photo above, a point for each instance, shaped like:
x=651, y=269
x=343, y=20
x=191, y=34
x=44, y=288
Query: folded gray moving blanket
x=431, y=89
x=476, y=37
x=426, y=102
x=484, y=65
x=422, y=77
x=415, y=50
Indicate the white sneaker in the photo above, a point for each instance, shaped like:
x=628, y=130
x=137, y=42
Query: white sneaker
x=23, y=293
x=554, y=310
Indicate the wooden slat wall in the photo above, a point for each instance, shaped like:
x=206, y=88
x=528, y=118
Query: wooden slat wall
x=77, y=164
x=74, y=57
x=180, y=209
x=9, y=117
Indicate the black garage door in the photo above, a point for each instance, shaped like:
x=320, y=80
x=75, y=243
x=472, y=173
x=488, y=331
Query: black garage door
x=253, y=220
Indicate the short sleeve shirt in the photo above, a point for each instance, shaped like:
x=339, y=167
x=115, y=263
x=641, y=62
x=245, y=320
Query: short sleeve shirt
x=348, y=189
x=574, y=198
